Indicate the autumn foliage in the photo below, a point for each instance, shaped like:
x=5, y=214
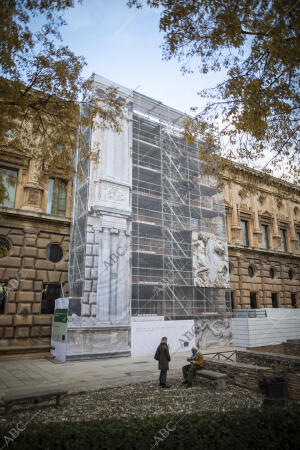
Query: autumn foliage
x=45, y=103
x=253, y=115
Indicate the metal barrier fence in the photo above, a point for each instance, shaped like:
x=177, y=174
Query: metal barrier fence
x=249, y=313
x=227, y=356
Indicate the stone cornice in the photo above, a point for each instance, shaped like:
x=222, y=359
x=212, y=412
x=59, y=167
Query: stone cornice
x=263, y=251
x=256, y=173
x=35, y=216
x=12, y=159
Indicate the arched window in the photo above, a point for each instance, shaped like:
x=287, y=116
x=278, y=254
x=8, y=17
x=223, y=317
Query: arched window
x=251, y=271
x=272, y=273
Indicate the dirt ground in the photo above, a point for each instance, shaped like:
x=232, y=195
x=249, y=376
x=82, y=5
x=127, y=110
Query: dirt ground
x=138, y=400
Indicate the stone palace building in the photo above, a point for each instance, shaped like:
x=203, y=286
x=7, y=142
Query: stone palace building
x=151, y=214
x=263, y=233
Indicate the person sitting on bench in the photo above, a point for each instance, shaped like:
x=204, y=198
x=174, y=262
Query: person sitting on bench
x=189, y=370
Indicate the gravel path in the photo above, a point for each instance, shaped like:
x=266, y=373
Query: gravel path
x=140, y=400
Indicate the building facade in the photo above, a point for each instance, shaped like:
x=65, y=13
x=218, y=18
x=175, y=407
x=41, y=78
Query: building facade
x=149, y=236
x=34, y=238
x=148, y=239
x=263, y=231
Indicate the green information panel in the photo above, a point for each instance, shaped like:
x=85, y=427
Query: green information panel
x=59, y=326
x=61, y=315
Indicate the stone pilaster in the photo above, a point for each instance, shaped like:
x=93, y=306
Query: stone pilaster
x=33, y=189
x=276, y=235
x=257, y=233
x=235, y=227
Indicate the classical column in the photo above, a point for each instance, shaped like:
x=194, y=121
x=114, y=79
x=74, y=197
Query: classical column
x=114, y=270
x=103, y=287
x=123, y=278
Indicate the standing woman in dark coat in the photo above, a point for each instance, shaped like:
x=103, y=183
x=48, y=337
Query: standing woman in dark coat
x=162, y=355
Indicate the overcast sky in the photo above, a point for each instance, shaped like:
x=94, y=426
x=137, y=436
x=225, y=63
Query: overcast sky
x=123, y=45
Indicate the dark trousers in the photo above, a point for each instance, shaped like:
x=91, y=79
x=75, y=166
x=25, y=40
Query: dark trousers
x=189, y=372
x=163, y=378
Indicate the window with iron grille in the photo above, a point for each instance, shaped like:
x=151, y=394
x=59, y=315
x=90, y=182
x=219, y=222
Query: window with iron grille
x=253, y=301
x=274, y=300
x=49, y=294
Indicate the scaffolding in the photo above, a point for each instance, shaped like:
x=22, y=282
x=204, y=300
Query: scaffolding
x=79, y=218
x=172, y=204
x=176, y=210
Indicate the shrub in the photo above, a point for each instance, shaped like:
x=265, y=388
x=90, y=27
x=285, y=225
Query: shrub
x=236, y=430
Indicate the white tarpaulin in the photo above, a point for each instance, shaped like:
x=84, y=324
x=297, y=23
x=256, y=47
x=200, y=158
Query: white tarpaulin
x=146, y=336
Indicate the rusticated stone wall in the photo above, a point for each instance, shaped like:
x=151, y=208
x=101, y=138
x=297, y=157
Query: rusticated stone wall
x=261, y=283
x=23, y=272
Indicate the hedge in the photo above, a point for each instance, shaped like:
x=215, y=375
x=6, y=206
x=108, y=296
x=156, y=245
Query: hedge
x=236, y=430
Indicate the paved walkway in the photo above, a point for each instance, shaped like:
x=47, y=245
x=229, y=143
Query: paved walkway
x=81, y=376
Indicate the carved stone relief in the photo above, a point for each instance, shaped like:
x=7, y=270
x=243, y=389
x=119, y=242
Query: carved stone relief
x=113, y=193
x=213, y=333
x=210, y=262
x=33, y=197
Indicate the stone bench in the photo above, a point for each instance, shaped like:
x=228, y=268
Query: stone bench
x=217, y=377
x=36, y=396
